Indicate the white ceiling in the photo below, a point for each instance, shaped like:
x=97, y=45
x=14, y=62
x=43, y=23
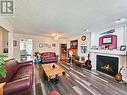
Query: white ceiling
x=66, y=16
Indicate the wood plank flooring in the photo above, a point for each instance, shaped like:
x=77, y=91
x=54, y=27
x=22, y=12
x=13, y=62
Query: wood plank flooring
x=79, y=81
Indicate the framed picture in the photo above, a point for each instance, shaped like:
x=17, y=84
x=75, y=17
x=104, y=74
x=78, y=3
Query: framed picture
x=5, y=50
x=40, y=45
x=53, y=45
x=74, y=44
x=107, y=40
x=83, y=49
x=122, y=47
x=14, y=43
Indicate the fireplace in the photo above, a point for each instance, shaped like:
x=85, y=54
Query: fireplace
x=108, y=65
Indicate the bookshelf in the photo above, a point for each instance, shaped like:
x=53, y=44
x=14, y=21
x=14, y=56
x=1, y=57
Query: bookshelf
x=63, y=52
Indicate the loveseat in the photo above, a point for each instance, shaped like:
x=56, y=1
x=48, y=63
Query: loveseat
x=49, y=57
x=19, y=77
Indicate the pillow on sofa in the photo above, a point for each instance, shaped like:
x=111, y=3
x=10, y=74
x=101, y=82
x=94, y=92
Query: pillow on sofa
x=48, y=54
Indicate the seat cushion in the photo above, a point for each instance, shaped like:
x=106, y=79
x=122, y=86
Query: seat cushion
x=16, y=87
x=25, y=71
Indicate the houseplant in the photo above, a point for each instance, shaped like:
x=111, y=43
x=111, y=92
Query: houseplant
x=2, y=70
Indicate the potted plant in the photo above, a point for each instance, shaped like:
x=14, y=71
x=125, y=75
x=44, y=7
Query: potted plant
x=2, y=69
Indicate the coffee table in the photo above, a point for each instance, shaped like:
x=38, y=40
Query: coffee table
x=52, y=73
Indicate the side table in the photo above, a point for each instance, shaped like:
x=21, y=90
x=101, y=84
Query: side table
x=1, y=88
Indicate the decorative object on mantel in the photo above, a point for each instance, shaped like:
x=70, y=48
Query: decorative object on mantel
x=122, y=47
x=108, y=32
x=83, y=38
x=110, y=47
x=118, y=76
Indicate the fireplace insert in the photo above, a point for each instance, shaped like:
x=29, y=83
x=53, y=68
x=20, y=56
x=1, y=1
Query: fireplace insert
x=107, y=64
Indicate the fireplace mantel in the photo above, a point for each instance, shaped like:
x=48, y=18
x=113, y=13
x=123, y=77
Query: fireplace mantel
x=112, y=52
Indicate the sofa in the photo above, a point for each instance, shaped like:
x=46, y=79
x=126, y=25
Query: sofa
x=47, y=57
x=19, y=78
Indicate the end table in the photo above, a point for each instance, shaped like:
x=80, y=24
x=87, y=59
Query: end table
x=1, y=88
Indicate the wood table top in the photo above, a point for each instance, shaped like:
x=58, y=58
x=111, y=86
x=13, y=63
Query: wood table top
x=50, y=72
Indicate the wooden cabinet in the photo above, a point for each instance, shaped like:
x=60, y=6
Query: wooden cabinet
x=1, y=88
x=63, y=52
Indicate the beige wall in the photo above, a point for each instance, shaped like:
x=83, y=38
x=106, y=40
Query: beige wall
x=36, y=41
x=6, y=25
x=3, y=39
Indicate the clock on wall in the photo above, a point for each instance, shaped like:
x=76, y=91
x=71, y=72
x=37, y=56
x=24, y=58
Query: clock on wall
x=83, y=38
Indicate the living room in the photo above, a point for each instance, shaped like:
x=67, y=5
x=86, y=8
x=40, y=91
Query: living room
x=71, y=30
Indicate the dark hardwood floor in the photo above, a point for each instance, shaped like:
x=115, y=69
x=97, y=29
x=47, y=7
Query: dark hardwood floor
x=79, y=81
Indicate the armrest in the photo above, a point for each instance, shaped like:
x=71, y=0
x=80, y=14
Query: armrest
x=16, y=86
x=24, y=63
x=57, y=55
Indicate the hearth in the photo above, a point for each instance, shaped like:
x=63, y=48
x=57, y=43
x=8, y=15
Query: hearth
x=107, y=64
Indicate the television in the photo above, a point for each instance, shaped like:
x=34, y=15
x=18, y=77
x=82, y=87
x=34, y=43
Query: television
x=107, y=40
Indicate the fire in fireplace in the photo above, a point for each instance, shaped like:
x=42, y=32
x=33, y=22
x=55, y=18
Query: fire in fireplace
x=108, y=67
x=107, y=64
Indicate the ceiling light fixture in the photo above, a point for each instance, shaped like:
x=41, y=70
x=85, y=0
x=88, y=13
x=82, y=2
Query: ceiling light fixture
x=120, y=20
x=56, y=36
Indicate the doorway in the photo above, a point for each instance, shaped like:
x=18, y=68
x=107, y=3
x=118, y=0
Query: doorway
x=26, y=49
x=63, y=52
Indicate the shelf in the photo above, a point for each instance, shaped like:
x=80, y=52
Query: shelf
x=112, y=52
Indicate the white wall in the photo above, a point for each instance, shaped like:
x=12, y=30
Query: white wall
x=36, y=41
x=120, y=31
x=81, y=43
x=125, y=35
